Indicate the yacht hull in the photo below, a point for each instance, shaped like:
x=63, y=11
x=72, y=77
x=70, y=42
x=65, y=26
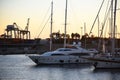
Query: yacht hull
x=59, y=60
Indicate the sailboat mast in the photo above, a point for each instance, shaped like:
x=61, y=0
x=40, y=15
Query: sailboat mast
x=111, y=27
x=113, y=41
x=65, y=23
x=51, y=25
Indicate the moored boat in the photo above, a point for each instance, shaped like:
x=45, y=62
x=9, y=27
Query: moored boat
x=69, y=55
x=105, y=61
x=112, y=59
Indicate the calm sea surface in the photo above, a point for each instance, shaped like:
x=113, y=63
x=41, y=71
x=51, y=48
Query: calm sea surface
x=20, y=67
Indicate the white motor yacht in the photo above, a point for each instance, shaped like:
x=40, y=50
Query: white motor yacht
x=69, y=55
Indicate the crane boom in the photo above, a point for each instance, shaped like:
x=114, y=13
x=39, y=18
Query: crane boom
x=26, y=28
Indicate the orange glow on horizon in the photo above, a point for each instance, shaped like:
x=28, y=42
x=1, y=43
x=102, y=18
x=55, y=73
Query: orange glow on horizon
x=79, y=12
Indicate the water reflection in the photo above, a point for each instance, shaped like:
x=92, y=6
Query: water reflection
x=20, y=67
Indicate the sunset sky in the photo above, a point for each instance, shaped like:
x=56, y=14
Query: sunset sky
x=79, y=12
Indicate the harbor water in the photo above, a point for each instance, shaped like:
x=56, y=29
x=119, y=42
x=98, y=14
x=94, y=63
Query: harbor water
x=20, y=67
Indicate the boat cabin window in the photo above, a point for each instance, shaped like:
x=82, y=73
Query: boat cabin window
x=57, y=54
x=67, y=50
x=80, y=54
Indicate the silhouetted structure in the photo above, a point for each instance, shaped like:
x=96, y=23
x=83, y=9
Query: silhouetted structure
x=14, y=31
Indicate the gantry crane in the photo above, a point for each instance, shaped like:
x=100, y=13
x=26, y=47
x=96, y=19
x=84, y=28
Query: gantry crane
x=25, y=31
x=18, y=32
